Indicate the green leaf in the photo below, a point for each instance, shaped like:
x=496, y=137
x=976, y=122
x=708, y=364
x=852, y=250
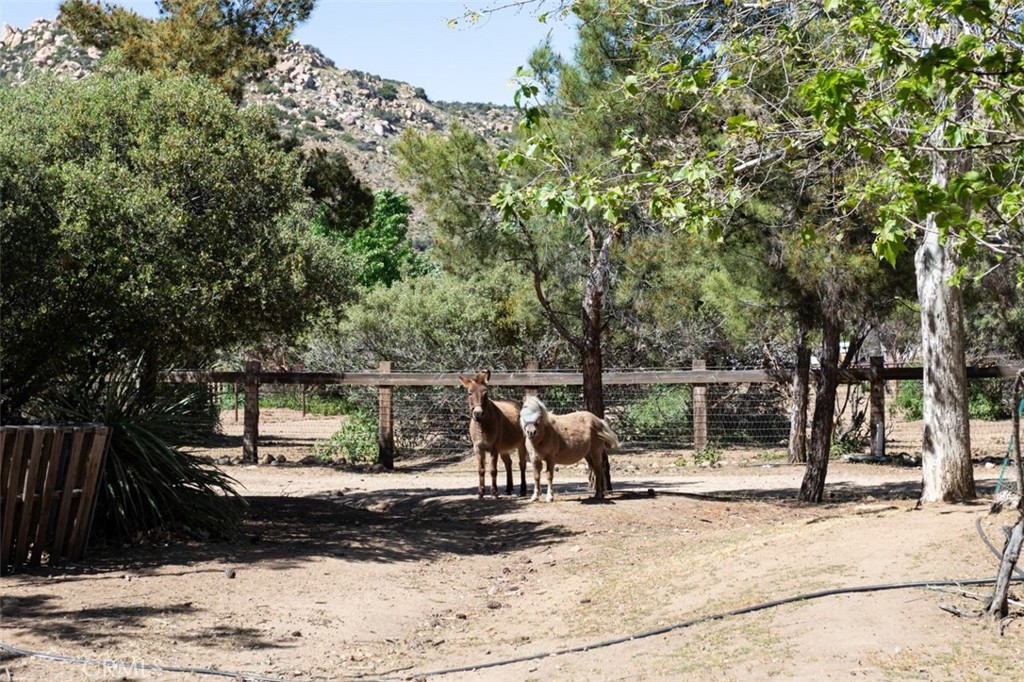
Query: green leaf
x=631, y=85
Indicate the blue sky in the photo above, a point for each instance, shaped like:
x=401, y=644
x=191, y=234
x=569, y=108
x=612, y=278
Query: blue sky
x=405, y=40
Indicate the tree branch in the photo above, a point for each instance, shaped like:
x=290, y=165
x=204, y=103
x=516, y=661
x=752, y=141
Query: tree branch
x=538, y=287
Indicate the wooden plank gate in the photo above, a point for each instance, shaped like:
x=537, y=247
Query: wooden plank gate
x=49, y=483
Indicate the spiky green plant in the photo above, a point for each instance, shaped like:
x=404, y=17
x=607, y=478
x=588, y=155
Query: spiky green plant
x=149, y=483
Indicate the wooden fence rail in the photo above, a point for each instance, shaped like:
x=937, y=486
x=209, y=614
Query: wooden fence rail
x=527, y=378
x=385, y=380
x=49, y=483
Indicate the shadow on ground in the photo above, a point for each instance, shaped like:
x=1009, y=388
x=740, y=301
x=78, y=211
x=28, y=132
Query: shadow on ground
x=839, y=492
x=396, y=525
x=98, y=626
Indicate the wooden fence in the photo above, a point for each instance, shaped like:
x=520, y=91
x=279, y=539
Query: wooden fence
x=876, y=374
x=49, y=480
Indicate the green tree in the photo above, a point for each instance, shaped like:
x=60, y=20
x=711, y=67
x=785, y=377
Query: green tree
x=227, y=41
x=341, y=201
x=996, y=326
x=454, y=176
x=146, y=217
x=435, y=322
x=564, y=159
x=381, y=248
x=927, y=92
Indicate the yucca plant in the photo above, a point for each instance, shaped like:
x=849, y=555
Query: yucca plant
x=149, y=483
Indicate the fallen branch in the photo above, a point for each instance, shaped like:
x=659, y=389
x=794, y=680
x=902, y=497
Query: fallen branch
x=999, y=606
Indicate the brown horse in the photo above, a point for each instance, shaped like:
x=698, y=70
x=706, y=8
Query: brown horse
x=494, y=430
x=566, y=439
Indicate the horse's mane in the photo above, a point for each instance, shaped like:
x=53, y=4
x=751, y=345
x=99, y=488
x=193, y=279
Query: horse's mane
x=533, y=409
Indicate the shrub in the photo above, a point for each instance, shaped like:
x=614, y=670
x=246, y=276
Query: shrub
x=354, y=442
x=665, y=409
x=910, y=400
x=989, y=400
x=847, y=445
x=267, y=87
x=321, y=402
x=985, y=400
x=391, y=117
x=149, y=484
x=387, y=90
x=709, y=455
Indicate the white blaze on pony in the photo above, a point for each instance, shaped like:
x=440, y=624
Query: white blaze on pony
x=494, y=431
x=565, y=439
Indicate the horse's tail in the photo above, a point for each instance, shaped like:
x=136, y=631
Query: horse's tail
x=606, y=434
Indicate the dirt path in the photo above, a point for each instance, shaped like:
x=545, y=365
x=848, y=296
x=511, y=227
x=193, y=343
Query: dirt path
x=355, y=575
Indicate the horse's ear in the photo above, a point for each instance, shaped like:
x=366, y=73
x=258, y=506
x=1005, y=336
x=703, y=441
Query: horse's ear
x=483, y=376
x=465, y=382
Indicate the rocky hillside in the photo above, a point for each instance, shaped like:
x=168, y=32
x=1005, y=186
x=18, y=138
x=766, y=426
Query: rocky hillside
x=324, y=105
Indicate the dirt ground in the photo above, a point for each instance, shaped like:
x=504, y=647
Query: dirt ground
x=352, y=574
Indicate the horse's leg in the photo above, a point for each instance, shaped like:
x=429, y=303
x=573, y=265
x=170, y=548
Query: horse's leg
x=480, y=454
x=492, y=463
x=607, y=472
x=538, y=464
x=551, y=477
x=522, y=470
x=507, y=459
x=596, y=460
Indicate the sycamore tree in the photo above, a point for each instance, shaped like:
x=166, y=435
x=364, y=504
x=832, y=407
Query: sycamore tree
x=927, y=93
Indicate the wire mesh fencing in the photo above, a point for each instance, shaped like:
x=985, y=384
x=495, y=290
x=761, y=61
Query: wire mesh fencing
x=335, y=422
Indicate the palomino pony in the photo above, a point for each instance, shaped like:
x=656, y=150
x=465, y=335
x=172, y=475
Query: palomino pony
x=494, y=430
x=566, y=439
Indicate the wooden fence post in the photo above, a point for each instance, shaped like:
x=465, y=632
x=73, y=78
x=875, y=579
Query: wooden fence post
x=531, y=366
x=700, y=410
x=877, y=399
x=251, y=427
x=386, y=432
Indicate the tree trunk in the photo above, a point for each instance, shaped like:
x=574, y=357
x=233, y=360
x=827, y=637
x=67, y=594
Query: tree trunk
x=149, y=372
x=597, y=283
x=592, y=360
x=812, y=489
x=598, y=280
x=946, y=448
x=877, y=398
x=1018, y=465
x=801, y=390
x=593, y=387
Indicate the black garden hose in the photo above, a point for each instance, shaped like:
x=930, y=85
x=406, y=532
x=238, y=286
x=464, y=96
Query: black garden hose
x=253, y=677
